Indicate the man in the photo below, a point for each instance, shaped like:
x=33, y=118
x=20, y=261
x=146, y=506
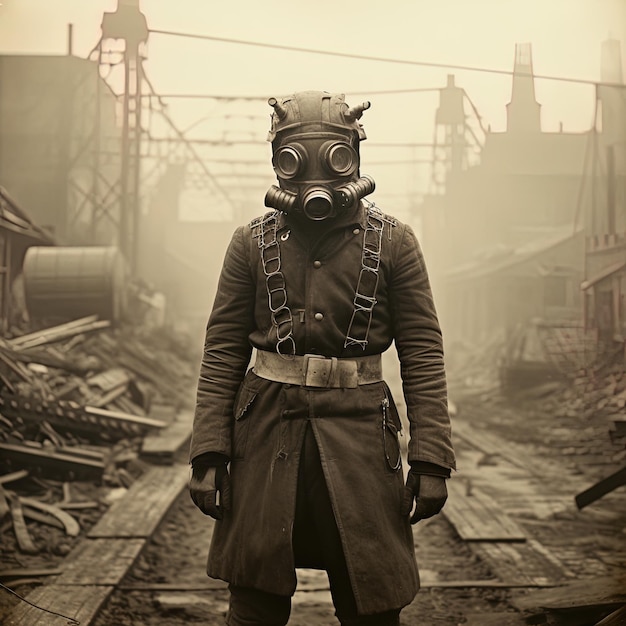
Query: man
x=298, y=458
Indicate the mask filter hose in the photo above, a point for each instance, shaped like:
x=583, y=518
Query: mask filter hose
x=354, y=191
x=280, y=199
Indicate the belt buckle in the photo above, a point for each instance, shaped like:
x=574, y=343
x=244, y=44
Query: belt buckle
x=318, y=371
x=329, y=372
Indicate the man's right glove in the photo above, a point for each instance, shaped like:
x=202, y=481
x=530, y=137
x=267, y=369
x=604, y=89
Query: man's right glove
x=205, y=485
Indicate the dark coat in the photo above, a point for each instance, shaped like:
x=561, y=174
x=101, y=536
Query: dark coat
x=259, y=424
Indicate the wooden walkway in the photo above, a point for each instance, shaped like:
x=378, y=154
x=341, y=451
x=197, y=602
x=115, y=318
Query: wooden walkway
x=98, y=564
x=491, y=499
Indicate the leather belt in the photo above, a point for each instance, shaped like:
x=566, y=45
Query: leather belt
x=313, y=370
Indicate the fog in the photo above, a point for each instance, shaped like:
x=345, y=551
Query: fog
x=502, y=177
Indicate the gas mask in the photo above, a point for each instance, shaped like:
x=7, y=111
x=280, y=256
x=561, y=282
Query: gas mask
x=315, y=144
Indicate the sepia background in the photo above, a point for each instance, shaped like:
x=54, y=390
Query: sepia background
x=133, y=143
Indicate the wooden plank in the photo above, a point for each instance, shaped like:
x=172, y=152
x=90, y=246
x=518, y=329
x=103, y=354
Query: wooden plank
x=476, y=517
x=28, y=572
x=601, y=488
x=138, y=513
x=119, y=415
x=80, y=604
x=52, y=330
x=100, y=561
x=604, y=590
x=61, y=336
x=54, y=461
x=163, y=445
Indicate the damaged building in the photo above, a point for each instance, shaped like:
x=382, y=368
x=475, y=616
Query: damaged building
x=533, y=233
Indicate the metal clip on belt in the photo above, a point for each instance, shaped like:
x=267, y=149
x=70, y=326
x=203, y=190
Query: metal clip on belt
x=312, y=370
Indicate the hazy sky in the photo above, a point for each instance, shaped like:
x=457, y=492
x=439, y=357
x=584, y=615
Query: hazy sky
x=565, y=36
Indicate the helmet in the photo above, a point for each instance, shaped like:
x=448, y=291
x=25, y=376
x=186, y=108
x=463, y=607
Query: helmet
x=315, y=153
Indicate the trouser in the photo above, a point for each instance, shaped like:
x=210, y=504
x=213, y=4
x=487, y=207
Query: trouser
x=316, y=543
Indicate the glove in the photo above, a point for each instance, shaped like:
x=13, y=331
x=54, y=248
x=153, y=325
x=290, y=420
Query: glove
x=204, y=486
x=430, y=494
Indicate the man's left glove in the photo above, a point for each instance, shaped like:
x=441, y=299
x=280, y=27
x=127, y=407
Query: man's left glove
x=429, y=492
x=205, y=485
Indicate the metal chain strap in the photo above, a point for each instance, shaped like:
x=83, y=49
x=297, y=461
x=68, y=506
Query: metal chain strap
x=281, y=316
x=367, y=284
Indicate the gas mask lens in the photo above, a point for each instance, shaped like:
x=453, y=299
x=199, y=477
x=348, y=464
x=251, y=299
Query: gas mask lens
x=290, y=161
x=339, y=158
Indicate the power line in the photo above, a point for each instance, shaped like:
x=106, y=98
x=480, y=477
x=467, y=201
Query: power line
x=364, y=57
x=227, y=98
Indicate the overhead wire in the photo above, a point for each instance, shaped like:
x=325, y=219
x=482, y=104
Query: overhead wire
x=358, y=57
x=365, y=57
x=230, y=98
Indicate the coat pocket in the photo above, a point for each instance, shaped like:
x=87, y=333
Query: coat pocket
x=391, y=430
x=241, y=426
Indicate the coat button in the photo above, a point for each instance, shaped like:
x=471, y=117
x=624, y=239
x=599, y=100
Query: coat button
x=356, y=231
x=319, y=317
x=317, y=264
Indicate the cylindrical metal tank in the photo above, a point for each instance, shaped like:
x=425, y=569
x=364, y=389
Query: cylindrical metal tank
x=73, y=282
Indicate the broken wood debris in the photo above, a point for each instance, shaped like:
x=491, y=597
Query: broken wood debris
x=89, y=421
x=591, y=599
x=24, y=540
x=64, y=462
x=71, y=409
x=601, y=488
x=59, y=333
x=13, y=476
x=70, y=525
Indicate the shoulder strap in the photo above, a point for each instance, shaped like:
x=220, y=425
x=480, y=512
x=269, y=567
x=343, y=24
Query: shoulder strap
x=367, y=284
x=264, y=229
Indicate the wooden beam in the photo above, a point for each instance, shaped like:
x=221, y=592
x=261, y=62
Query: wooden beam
x=28, y=572
x=601, y=488
x=113, y=557
x=61, y=461
x=52, y=330
x=147, y=501
x=602, y=590
x=162, y=446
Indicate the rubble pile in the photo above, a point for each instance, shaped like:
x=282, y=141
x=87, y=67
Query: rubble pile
x=593, y=405
x=76, y=402
x=574, y=401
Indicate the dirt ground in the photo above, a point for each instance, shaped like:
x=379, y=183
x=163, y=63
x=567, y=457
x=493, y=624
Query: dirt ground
x=542, y=452
x=177, y=556
x=584, y=543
